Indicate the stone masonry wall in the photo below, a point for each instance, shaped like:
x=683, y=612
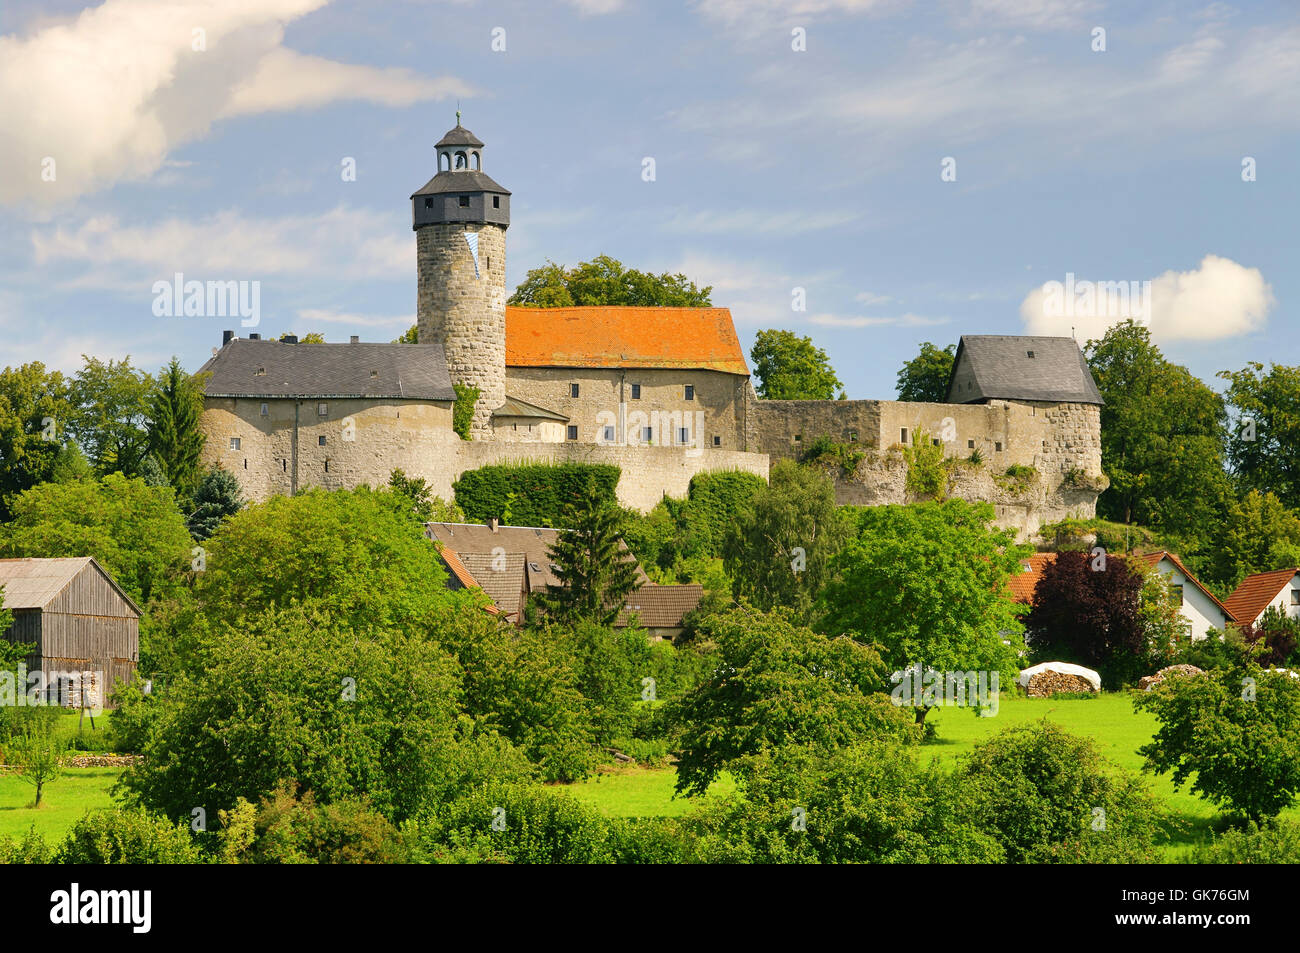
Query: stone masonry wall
x=465, y=312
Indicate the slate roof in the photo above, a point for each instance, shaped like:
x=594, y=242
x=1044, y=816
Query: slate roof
x=514, y=407
x=1254, y=594
x=271, y=369
x=458, y=136
x=1003, y=369
x=33, y=583
x=617, y=336
x=462, y=180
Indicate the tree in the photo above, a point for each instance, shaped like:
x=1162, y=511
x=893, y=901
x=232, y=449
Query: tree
x=1162, y=438
x=111, y=419
x=37, y=749
x=778, y=683
x=1050, y=797
x=312, y=337
x=217, y=498
x=1086, y=610
x=596, y=574
x=789, y=367
x=925, y=377
x=34, y=416
x=1264, y=445
x=1236, y=730
x=300, y=695
x=778, y=552
x=927, y=584
x=604, y=281
x=1257, y=534
x=133, y=530
x=423, y=505
x=175, y=440
x=410, y=336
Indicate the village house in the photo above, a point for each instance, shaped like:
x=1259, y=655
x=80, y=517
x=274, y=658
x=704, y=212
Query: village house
x=1279, y=590
x=511, y=563
x=83, y=629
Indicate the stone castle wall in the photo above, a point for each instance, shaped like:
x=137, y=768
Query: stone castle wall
x=466, y=312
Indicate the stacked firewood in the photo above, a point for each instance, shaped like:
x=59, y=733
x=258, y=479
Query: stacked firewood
x=1047, y=684
x=1148, y=682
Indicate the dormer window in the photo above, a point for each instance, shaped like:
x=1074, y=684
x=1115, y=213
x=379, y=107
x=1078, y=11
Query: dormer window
x=1029, y=353
x=464, y=201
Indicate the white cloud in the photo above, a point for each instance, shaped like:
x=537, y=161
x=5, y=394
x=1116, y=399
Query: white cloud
x=340, y=243
x=1031, y=14
x=1220, y=299
x=108, y=94
x=869, y=299
x=596, y=7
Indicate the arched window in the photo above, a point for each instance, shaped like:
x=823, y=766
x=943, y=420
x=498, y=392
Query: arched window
x=478, y=161
x=462, y=161
x=444, y=162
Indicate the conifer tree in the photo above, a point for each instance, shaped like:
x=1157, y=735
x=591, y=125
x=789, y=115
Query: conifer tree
x=175, y=440
x=597, y=575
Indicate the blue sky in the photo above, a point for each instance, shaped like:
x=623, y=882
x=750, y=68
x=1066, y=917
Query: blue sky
x=776, y=168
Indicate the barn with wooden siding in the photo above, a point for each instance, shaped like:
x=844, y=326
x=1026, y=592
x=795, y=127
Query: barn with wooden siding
x=75, y=615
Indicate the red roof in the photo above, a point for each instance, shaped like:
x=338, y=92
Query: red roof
x=1153, y=560
x=1023, y=583
x=1256, y=592
x=466, y=578
x=618, y=336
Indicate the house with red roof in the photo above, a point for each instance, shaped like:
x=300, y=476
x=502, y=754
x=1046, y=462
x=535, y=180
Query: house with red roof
x=1199, y=608
x=1279, y=589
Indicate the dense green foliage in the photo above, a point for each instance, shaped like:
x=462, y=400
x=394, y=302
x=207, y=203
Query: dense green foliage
x=925, y=377
x=217, y=498
x=789, y=367
x=462, y=411
x=175, y=440
x=532, y=494
x=604, y=281
x=596, y=574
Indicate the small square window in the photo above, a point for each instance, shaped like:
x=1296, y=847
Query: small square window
x=608, y=433
x=717, y=441
x=266, y=410
x=464, y=201
x=1030, y=353
x=496, y=201
x=234, y=443
x=690, y=391
x=853, y=436
x=428, y=203
x=574, y=390
x=322, y=410
x=970, y=444
x=903, y=439
x=648, y=434
x=997, y=447
x=936, y=441
x=798, y=438
x=636, y=391
x=320, y=441
x=683, y=435
x=573, y=431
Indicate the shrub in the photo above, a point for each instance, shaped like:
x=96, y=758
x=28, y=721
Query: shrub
x=532, y=494
x=825, y=452
x=288, y=829
x=462, y=412
x=128, y=837
x=1277, y=842
x=30, y=849
x=927, y=477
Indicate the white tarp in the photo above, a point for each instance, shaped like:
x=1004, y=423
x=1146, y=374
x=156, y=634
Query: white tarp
x=1062, y=668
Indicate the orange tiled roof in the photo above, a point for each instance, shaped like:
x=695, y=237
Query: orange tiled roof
x=463, y=575
x=1256, y=592
x=1022, y=583
x=1153, y=560
x=618, y=336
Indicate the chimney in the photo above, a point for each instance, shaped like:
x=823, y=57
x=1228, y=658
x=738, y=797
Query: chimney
x=493, y=523
x=355, y=340
x=227, y=337
x=289, y=339
x=255, y=337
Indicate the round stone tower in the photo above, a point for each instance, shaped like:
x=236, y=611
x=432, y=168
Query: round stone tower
x=460, y=219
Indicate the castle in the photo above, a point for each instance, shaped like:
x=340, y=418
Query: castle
x=664, y=393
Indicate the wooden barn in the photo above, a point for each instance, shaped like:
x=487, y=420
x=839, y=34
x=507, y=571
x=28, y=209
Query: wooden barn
x=78, y=619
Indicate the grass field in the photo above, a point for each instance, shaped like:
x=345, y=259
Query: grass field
x=1109, y=720
x=63, y=802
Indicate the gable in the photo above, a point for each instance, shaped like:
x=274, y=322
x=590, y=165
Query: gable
x=1020, y=367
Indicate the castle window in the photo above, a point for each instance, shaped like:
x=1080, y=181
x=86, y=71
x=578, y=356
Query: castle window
x=636, y=391
x=322, y=410
x=266, y=410
x=284, y=465
x=234, y=443
x=690, y=391
x=904, y=437
x=997, y=447
x=496, y=201
x=327, y=463
x=717, y=441
x=609, y=433
x=428, y=202
x=683, y=435
x=853, y=436
x=478, y=161
x=245, y=463
x=648, y=435
x=935, y=441
x=798, y=438
x=572, y=430
x=1030, y=353
x=320, y=441
x=970, y=444
x=461, y=161
x=573, y=390
x=464, y=201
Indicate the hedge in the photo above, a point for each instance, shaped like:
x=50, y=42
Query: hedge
x=531, y=494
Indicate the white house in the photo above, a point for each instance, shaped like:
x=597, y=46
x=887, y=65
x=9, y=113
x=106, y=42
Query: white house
x=1200, y=610
x=1279, y=589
